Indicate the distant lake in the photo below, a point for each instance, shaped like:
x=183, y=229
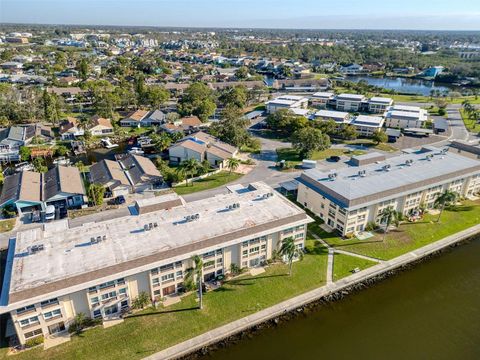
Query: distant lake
x=405, y=85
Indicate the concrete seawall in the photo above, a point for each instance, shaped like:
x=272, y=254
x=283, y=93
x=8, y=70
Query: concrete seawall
x=218, y=334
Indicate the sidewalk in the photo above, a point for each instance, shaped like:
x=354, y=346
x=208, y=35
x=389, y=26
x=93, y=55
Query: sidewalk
x=239, y=325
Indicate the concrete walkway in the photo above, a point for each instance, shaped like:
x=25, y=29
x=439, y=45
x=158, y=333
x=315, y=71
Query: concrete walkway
x=244, y=323
x=358, y=255
x=331, y=255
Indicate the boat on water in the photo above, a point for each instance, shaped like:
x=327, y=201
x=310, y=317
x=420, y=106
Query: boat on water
x=136, y=151
x=107, y=143
x=62, y=161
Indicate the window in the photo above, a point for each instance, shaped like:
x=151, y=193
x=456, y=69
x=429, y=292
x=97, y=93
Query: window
x=219, y=251
x=52, y=314
x=244, y=253
x=219, y=260
x=255, y=249
x=106, y=285
x=25, y=309
x=109, y=295
x=166, y=267
x=97, y=314
x=121, y=281
x=263, y=247
x=209, y=264
x=123, y=291
x=124, y=304
x=50, y=302
x=179, y=274
x=94, y=300
x=29, y=321
x=209, y=254
x=156, y=282
x=33, y=333
x=154, y=271
x=168, y=277
x=299, y=236
x=156, y=292
x=178, y=264
x=245, y=243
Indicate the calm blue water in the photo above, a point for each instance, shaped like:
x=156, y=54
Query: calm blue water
x=404, y=85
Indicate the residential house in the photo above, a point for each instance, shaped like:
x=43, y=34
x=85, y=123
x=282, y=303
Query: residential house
x=70, y=129
x=61, y=186
x=187, y=124
x=155, y=117
x=100, y=126
x=351, y=69
x=133, y=173
x=202, y=146
x=134, y=119
x=11, y=139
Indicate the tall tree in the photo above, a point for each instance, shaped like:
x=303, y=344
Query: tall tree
x=232, y=164
x=387, y=216
x=290, y=251
x=189, y=167
x=444, y=199
x=197, y=100
x=196, y=273
x=308, y=140
x=379, y=136
x=232, y=127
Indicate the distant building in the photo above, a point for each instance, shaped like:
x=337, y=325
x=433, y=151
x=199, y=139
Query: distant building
x=349, y=102
x=100, y=126
x=320, y=100
x=186, y=124
x=366, y=125
x=340, y=117
x=70, y=129
x=351, y=69
x=379, y=105
x=286, y=102
x=402, y=117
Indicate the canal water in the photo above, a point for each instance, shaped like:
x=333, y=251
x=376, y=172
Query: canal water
x=405, y=85
x=429, y=312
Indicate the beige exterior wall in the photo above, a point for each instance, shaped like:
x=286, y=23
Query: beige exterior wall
x=108, y=299
x=345, y=105
x=182, y=153
x=348, y=221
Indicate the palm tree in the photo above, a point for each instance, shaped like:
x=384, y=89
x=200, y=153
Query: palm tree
x=162, y=141
x=233, y=164
x=188, y=167
x=197, y=271
x=388, y=215
x=290, y=251
x=444, y=199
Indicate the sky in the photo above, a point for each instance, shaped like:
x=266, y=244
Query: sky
x=308, y=14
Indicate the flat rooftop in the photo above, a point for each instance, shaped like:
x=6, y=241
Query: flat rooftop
x=351, y=190
x=70, y=258
x=332, y=114
x=352, y=97
x=380, y=100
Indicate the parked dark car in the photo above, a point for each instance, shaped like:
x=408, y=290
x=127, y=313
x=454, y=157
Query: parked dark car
x=334, y=158
x=120, y=199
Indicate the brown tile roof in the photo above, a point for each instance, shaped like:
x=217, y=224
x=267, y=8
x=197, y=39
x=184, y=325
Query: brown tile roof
x=107, y=171
x=30, y=186
x=191, y=121
x=137, y=115
x=97, y=120
x=62, y=179
x=68, y=124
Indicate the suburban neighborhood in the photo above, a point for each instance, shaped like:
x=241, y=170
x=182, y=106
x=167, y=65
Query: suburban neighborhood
x=164, y=190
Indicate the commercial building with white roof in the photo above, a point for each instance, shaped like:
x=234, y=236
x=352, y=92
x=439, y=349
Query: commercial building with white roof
x=366, y=125
x=401, y=116
x=349, y=102
x=379, y=105
x=286, y=102
x=58, y=271
x=349, y=198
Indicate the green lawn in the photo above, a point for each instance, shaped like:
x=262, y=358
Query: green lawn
x=150, y=331
x=344, y=264
x=371, y=145
x=470, y=124
x=210, y=182
x=292, y=155
x=409, y=236
x=7, y=225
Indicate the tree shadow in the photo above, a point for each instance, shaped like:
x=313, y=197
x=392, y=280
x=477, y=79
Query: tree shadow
x=249, y=281
x=161, y=312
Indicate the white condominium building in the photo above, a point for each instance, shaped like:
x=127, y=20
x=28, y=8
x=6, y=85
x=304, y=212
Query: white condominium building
x=286, y=102
x=349, y=198
x=58, y=271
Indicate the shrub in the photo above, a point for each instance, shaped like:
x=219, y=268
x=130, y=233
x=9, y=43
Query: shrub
x=349, y=235
x=80, y=322
x=141, y=301
x=35, y=341
x=235, y=269
x=372, y=226
x=9, y=211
